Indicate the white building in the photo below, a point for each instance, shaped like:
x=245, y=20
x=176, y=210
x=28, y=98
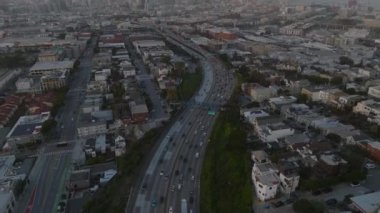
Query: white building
x=273, y=132
x=289, y=177
x=368, y=107
x=374, y=91
x=266, y=180
x=92, y=128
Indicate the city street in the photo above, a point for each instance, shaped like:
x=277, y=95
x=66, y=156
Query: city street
x=158, y=112
x=52, y=166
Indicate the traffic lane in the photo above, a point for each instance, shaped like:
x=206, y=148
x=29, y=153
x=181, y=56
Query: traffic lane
x=173, y=133
x=171, y=166
x=174, y=198
x=43, y=186
x=178, y=140
x=56, y=183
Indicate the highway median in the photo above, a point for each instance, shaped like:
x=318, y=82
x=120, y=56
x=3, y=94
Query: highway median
x=225, y=179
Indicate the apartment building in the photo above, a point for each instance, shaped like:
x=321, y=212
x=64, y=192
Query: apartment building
x=266, y=180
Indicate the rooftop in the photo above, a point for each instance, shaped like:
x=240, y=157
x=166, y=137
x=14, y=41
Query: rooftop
x=51, y=65
x=28, y=125
x=368, y=202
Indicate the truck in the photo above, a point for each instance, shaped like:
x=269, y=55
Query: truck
x=184, y=206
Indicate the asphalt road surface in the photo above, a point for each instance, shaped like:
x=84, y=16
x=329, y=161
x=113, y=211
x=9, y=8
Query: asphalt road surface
x=173, y=173
x=52, y=166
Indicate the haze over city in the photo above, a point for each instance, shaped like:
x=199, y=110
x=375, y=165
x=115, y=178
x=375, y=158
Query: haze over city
x=179, y=106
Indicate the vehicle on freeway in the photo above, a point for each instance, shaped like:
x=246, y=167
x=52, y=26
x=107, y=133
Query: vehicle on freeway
x=184, y=206
x=171, y=209
x=197, y=155
x=62, y=144
x=154, y=203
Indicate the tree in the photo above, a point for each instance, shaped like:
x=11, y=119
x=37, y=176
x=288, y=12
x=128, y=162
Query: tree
x=306, y=206
x=165, y=59
x=344, y=60
x=47, y=126
x=334, y=137
x=337, y=80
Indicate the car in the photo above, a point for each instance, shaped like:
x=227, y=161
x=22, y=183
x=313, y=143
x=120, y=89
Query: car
x=171, y=209
x=331, y=202
x=289, y=201
x=327, y=190
x=192, y=177
x=355, y=184
x=191, y=200
x=278, y=204
x=316, y=193
x=370, y=166
x=179, y=186
x=161, y=173
x=154, y=203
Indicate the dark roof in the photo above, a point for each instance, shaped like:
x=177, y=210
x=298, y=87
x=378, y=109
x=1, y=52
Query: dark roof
x=24, y=129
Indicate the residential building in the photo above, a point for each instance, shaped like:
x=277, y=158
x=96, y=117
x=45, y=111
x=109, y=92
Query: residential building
x=259, y=156
x=120, y=146
x=49, y=56
x=102, y=59
x=27, y=129
x=250, y=115
x=257, y=92
x=107, y=176
x=79, y=179
x=332, y=164
x=100, y=144
x=369, y=108
x=374, y=92
x=54, y=80
x=288, y=176
x=266, y=180
x=28, y=85
x=44, y=68
x=273, y=132
x=7, y=169
x=102, y=75
x=373, y=149
x=277, y=102
x=367, y=203
x=91, y=126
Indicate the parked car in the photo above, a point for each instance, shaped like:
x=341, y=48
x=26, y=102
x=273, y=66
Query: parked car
x=316, y=193
x=327, y=190
x=355, y=184
x=331, y=202
x=370, y=165
x=278, y=204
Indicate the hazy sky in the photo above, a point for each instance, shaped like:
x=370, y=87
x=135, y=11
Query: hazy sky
x=372, y=3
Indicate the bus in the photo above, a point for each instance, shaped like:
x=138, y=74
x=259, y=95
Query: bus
x=211, y=112
x=184, y=206
x=62, y=144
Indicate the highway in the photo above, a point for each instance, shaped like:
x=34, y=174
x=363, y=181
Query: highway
x=48, y=175
x=173, y=173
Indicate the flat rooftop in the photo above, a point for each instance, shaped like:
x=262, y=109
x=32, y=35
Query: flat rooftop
x=52, y=65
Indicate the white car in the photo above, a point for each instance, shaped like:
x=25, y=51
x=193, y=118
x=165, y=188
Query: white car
x=370, y=165
x=171, y=209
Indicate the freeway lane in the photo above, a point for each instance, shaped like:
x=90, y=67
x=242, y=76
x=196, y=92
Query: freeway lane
x=169, y=177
